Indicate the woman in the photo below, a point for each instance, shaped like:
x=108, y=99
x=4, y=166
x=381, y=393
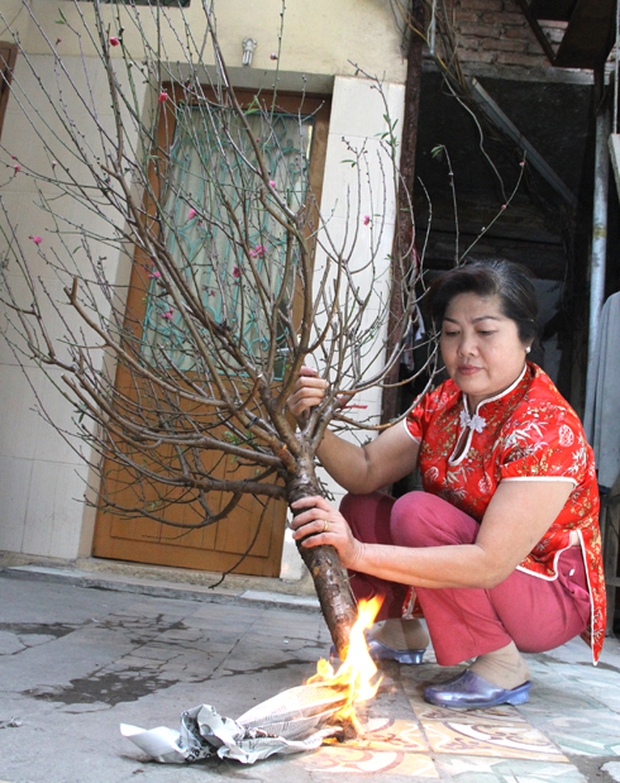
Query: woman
x=502, y=548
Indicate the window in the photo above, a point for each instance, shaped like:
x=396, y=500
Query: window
x=211, y=207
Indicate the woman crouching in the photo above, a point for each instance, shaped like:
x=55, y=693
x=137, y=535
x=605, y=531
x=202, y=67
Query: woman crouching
x=502, y=548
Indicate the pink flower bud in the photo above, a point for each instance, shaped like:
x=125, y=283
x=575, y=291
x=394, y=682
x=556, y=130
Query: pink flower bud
x=191, y=214
x=114, y=41
x=236, y=272
x=17, y=168
x=36, y=240
x=273, y=56
x=366, y=219
x=258, y=251
x=163, y=96
x=155, y=273
x=272, y=183
x=504, y=206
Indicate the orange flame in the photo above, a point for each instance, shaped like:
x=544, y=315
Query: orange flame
x=356, y=675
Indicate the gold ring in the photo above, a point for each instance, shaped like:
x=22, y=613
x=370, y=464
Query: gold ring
x=325, y=526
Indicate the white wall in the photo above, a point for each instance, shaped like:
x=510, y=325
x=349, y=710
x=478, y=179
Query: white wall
x=357, y=121
x=42, y=477
x=321, y=38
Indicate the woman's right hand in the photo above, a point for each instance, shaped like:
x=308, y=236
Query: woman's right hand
x=308, y=392
x=317, y=523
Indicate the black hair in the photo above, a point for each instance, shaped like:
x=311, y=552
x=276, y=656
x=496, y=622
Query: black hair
x=510, y=282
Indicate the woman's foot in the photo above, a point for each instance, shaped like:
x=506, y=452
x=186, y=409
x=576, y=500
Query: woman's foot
x=505, y=668
x=381, y=652
x=404, y=641
x=469, y=691
x=497, y=677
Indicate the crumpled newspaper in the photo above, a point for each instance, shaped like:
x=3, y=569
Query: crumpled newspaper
x=295, y=720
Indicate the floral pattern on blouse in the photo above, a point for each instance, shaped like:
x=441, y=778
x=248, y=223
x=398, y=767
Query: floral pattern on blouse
x=528, y=431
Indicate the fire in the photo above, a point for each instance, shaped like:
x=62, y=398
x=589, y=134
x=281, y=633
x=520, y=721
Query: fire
x=356, y=676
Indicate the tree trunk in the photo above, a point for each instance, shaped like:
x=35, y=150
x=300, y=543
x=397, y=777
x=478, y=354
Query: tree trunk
x=330, y=579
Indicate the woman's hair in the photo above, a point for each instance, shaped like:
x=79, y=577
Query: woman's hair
x=510, y=282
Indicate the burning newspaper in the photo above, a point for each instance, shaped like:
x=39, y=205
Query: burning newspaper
x=295, y=720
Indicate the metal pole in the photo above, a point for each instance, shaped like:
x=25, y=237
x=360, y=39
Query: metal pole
x=599, y=231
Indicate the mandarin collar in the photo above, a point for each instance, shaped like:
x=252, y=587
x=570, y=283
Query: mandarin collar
x=496, y=397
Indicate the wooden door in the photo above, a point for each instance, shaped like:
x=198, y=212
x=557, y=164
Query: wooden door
x=8, y=56
x=249, y=540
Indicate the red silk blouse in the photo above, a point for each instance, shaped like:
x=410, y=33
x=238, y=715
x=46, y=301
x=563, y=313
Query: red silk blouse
x=527, y=432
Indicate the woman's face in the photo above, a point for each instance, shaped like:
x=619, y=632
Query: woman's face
x=481, y=348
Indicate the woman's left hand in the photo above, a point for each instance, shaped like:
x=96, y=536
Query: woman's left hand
x=317, y=522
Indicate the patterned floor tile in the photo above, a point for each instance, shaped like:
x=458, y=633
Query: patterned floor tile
x=490, y=739
x=575, y=721
x=583, y=739
x=394, y=746
x=504, y=715
x=499, y=732
x=469, y=769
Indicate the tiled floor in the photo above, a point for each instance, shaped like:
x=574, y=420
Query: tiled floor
x=77, y=661
x=528, y=744
x=499, y=743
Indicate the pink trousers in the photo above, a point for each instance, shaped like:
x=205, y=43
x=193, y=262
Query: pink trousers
x=537, y=614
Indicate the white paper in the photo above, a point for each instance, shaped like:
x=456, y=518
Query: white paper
x=294, y=721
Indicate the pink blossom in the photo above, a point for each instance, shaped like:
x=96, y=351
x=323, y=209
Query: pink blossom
x=155, y=273
x=37, y=240
x=366, y=219
x=191, y=214
x=114, y=41
x=504, y=206
x=273, y=56
x=258, y=251
x=163, y=96
x=168, y=314
x=272, y=183
x=522, y=163
x=236, y=272
x=17, y=168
